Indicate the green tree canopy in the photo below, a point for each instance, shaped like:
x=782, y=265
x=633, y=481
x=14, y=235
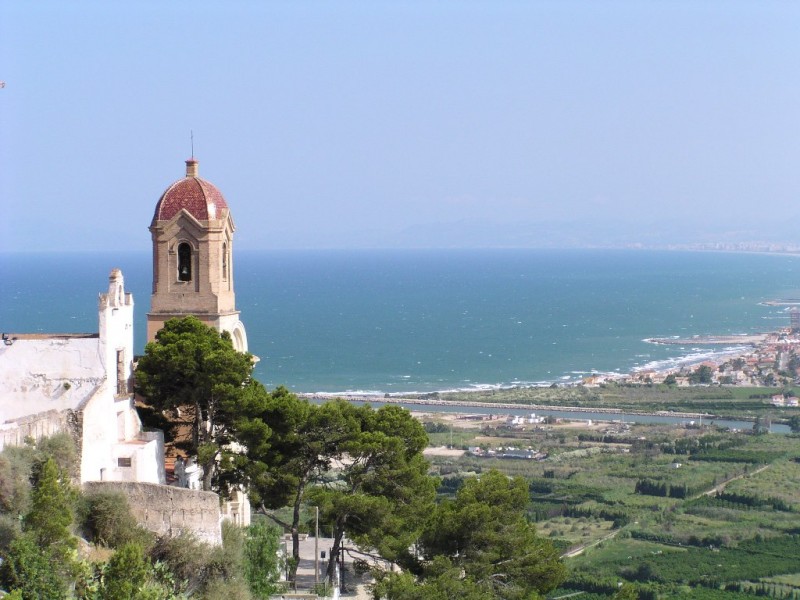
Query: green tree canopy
x=38, y=562
x=28, y=568
x=445, y=581
x=262, y=565
x=16, y=464
x=194, y=372
x=483, y=534
x=303, y=440
x=50, y=515
x=125, y=573
x=383, y=492
x=702, y=374
x=19, y=465
x=794, y=423
x=626, y=592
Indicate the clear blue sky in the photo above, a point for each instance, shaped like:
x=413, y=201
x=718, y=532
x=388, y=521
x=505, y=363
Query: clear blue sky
x=346, y=124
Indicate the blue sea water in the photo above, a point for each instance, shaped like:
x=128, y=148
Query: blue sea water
x=398, y=321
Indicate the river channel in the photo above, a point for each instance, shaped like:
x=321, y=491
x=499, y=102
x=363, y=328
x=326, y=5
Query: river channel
x=573, y=415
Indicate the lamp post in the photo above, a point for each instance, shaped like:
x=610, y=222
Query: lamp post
x=316, y=546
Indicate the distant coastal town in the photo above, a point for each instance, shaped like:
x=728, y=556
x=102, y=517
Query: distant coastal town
x=769, y=247
x=766, y=360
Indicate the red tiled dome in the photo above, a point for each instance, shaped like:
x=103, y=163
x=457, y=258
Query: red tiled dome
x=201, y=198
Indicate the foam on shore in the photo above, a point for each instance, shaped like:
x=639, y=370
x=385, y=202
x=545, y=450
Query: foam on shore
x=695, y=357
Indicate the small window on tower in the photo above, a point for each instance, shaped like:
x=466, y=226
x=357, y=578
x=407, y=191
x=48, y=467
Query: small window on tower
x=225, y=261
x=184, y=262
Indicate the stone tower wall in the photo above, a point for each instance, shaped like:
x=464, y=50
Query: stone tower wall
x=193, y=213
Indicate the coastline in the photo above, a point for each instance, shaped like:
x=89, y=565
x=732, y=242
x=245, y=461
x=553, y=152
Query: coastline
x=752, y=352
x=285, y=361
x=735, y=346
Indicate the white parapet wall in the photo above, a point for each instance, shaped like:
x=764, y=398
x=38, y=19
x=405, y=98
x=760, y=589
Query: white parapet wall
x=40, y=373
x=33, y=427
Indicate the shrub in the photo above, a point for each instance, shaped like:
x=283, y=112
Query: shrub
x=50, y=516
x=186, y=557
x=9, y=531
x=109, y=521
x=61, y=448
x=220, y=589
x=208, y=571
x=15, y=472
x=262, y=565
x=125, y=573
x=27, y=569
x=161, y=585
x=226, y=562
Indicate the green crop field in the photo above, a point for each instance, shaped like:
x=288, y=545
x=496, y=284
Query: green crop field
x=675, y=512
x=728, y=401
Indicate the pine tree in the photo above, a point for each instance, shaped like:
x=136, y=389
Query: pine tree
x=50, y=516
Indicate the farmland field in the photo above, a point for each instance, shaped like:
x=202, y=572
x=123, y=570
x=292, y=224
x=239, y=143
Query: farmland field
x=675, y=512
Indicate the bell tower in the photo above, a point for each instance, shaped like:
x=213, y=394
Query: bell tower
x=192, y=232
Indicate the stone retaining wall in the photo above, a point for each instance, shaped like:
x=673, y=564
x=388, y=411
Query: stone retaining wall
x=169, y=510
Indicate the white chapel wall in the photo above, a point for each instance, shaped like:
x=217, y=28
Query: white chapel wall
x=40, y=373
x=80, y=383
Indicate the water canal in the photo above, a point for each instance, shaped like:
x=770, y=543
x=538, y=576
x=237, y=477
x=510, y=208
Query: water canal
x=573, y=415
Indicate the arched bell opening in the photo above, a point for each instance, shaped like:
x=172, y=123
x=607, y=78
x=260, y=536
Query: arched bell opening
x=184, y=262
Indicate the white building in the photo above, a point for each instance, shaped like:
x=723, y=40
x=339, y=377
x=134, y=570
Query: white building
x=82, y=384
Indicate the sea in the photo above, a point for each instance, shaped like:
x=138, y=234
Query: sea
x=392, y=321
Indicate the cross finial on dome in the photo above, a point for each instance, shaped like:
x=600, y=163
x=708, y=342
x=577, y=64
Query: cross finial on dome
x=191, y=164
